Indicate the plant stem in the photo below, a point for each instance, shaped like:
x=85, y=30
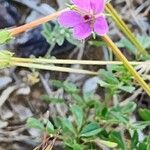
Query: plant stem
x=53, y=68
x=35, y=23
x=120, y=23
x=69, y=61
x=122, y=58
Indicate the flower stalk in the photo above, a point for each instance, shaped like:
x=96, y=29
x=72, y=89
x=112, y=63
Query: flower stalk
x=53, y=68
x=122, y=58
x=120, y=23
x=35, y=23
x=73, y=62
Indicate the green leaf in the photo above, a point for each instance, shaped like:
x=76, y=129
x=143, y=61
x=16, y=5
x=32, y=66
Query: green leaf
x=125, y=43
x=77, y=146
x=142, y=146
x=88, y=97
x=78, y=99
x=60, y=40
x=128, y=89
x=144, y=40
x=117, y=138
x=57, y=34
x=108, y=77
x=90, y=129
x=52, y=100
x=47, y=28
x=70, y=38
x=70, y=87
x=104, y=112
x=78, y=113
x=144, y=114
x=5, y=58
x=71, y=143
x=49, y=126
x=106, y=143
x=57, y=122
x=57, y=83
x=118, y=116
x=134, y=141
x=34, y=123
x=67, y=124
x=141, y=125
x=128, y=108
x=104, y=84
x=5, y=36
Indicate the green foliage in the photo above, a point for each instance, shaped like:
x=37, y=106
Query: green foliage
x=5, y=58
x=145, y=144
x=143, y=40
x=34, y=123
x=44, y=125
x=145, y=114
x=57, y=35
x=5, y=36
x=120, y=114
x=48, y=126
x=78, y=114
x=91, y=122
x=107, y=143
x=118, y=138
x=67, y=125
x=90, y=129
x=134, y=141
x=125, y=43
x=68, y=87
x=116, y=79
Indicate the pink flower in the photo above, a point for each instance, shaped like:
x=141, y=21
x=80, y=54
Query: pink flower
x=86, y=18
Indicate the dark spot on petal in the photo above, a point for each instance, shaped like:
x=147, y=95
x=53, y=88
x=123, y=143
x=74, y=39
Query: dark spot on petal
x=86, y=17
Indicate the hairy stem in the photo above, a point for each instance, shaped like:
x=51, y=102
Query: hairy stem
x=69, y=61
x=53, y=68
x=35, y=23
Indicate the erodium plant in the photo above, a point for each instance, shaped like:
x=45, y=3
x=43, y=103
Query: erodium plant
x=85, y=17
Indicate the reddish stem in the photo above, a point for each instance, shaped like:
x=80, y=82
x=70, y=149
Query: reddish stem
x=35, y=23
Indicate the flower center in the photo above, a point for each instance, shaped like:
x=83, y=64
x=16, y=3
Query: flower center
x=87, y=17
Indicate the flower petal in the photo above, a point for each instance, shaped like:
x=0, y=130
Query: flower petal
x=82, y=31
x=97, y=5
x=70, y=19
x=101, y=26
x=82, y=4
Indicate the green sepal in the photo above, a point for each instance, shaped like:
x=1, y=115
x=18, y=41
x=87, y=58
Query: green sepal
x=5, y=58
x=5, y=36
